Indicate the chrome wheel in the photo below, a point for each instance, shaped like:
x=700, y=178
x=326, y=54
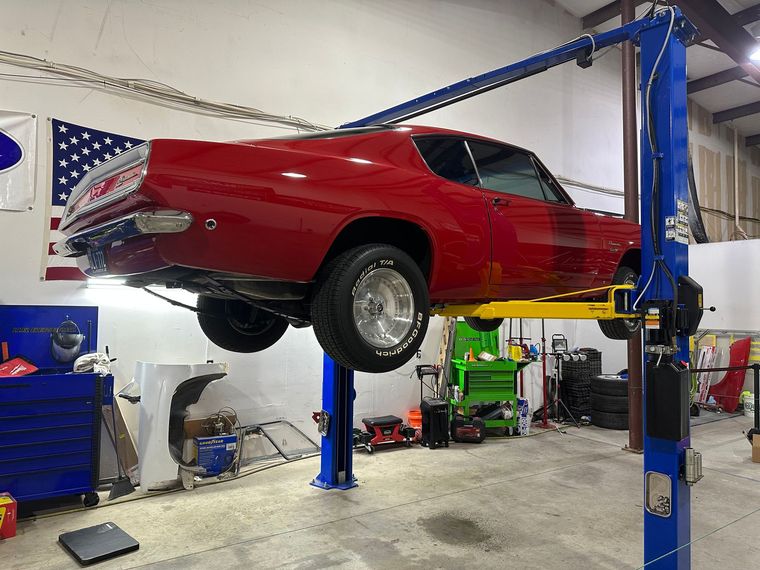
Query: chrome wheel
x=383, y=308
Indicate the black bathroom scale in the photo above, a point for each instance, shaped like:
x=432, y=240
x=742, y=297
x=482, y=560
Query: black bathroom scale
x=97, y=543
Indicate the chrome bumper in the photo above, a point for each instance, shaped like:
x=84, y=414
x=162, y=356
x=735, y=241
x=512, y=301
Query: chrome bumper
x=140, y=223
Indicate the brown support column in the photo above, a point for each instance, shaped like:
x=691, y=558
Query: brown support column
x=631, y=191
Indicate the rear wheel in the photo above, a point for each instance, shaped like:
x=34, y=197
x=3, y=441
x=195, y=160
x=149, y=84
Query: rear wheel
x=238, y=326
x=622, y=329
x=483, y=325
x=370, y=308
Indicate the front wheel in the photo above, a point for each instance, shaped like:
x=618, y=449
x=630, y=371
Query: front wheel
x=622, y=329
x=483, y=325
x=237, y=326
x=370, y=308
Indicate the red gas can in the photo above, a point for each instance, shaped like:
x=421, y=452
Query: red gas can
x=7, y=516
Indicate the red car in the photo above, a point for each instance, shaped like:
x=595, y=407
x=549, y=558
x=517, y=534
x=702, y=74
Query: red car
x=358, y=232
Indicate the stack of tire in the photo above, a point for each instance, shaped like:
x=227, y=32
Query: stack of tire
x=576, y=381
x=609, y=401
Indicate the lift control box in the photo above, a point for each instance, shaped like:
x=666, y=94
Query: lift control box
x=667, y=399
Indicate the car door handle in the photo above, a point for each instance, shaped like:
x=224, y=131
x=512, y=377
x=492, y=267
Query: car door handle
x=500, y=201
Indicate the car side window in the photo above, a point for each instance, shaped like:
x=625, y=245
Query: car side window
x=550, y=187
x=448, y=157
x=505, y=169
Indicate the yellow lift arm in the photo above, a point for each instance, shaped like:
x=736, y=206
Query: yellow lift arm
x=617, y=306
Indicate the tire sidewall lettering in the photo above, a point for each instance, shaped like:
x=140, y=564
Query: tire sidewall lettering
x=400, y=348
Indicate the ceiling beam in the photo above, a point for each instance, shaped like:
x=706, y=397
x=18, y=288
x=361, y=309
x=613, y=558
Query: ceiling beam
x=718, y=25
x=752, y=140
x=611, y=10
x=748, y=15
x=732, y=74
x=736, y=112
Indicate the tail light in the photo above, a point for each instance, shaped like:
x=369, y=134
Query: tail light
x=109, y=182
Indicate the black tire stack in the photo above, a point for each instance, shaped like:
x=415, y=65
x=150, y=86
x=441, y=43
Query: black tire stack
x=576, y=382
x=609, y=401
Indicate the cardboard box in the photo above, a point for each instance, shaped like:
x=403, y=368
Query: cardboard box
x=215, y=454
x=7, y=516
x=194, y=427
x=756, y=448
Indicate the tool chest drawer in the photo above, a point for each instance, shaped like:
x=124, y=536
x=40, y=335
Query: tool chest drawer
x=50, y=433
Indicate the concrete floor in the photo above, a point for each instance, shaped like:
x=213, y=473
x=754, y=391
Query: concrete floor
x=553, y=500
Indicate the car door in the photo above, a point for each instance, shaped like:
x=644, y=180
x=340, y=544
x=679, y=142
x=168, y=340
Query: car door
x=463, y=232
x=536, y=242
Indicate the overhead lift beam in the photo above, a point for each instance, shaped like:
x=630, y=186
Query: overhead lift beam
x=667, y=457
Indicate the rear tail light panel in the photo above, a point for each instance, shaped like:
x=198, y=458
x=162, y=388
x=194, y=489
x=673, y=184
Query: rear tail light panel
x=108, y=183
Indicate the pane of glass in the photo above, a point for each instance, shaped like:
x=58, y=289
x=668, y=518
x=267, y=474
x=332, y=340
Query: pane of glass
x=550, y=188
x=507, y=170
x=447, y=157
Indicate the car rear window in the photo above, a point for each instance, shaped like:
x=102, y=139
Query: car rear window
x=448, y=157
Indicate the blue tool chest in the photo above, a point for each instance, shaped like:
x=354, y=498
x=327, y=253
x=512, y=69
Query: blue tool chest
x=50, y=433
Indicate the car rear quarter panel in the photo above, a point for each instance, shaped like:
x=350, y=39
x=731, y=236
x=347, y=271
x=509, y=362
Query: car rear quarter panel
x=279, y=207
x=618, y=238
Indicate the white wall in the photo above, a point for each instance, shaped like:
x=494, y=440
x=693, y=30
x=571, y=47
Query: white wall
x=330, y=62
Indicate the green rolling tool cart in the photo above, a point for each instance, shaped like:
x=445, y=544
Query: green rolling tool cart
x=482, y=382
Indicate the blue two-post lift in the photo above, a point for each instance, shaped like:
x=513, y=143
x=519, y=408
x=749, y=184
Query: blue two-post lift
x=668, y=459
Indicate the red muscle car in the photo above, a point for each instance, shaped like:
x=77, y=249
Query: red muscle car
x=358, y=232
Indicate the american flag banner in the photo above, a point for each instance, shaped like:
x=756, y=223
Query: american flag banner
x=75, y=151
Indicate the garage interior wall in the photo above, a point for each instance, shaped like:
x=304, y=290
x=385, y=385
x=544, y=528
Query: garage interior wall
x=712, y=150
x=328, y=62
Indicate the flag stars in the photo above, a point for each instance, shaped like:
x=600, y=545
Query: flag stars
x=75, y=157
x=96, y=162
x=63, y=196
x=85, y=151
x=74, y=173
x=85, y=136
x=62, y=180
x=96, y=145
x=63, y=145
x=107, y=140
x=73, y=140
x=86, y=167
x=117, y=150
x=62, y=129
x=128, y=145
x=107, y=156
x=63, y=163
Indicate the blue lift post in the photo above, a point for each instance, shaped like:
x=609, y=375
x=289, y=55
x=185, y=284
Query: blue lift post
x=667, y=529
x=336, y=427
x=662, y=39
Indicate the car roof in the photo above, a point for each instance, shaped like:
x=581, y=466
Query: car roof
x=382, y=130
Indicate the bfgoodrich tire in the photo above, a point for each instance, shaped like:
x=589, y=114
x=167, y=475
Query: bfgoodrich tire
x=483, y=325
x=237, y=326
x=622, y=329
x=370, y=308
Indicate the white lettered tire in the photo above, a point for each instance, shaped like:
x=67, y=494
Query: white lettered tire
x=370, y=308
